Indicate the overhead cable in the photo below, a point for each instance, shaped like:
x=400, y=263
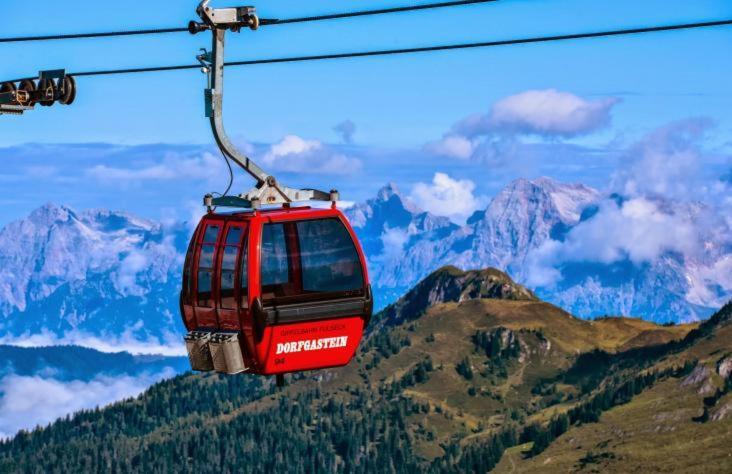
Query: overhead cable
x=263, y=22
x=423, y=49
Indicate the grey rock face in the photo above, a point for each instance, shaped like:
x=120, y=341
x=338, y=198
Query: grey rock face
x=724, y=367
x=700, y=378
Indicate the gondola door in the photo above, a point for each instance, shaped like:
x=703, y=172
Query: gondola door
x=230, y=289
x=205, y=274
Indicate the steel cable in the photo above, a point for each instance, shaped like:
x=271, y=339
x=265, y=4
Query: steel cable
x=263, y=22
x=424, y=49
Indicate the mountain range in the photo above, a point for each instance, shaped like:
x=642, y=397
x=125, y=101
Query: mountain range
x=404, y=244
x=71, y=277
x=110, y=280
x=467, y=372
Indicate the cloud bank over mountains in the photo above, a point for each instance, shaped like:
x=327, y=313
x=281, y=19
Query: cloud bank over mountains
x=548, y=114
x=291, y=154
x=30, y=401
x=448, y=197
x=295, y=154
x=657, y=204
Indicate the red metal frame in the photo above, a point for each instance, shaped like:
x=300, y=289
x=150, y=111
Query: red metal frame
x=282, y=347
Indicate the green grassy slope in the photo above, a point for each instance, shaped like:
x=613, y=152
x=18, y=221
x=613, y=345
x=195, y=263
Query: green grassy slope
x=678, y=425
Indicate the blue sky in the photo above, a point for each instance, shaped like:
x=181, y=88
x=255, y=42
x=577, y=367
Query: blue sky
x=398, y=104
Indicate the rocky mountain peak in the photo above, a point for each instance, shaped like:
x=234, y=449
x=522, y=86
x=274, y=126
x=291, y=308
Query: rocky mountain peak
x=51, y=213
x=388, y=191
x=111, y=221
x=543, y=197
x=450, y=284
x=390, y=212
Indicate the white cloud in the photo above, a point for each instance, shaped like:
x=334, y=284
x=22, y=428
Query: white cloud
x=134, y=263
x=342, y=205
x=142, y=265
x=170, y=344
x=27, y=402
x=666, y=162
x=393, y=241
x=711, y=285
x=495, y=136
x=295, y=154
x=291, y=154
x=662, y=203
x=173, y=167
x=544, y=112
x=195, y=211
x=447, y=197
x=452, y=146
x=638, y=230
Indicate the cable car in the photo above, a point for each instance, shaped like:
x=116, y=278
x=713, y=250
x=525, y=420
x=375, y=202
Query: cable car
x=274, y=291
x=268, y=291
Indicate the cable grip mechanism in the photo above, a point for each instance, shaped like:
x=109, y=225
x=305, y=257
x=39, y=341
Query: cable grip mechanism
x=233, y=19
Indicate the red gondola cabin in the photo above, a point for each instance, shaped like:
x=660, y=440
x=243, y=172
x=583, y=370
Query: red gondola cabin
x=274, y=291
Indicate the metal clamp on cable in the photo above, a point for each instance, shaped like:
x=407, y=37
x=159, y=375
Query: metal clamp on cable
x=233, y=19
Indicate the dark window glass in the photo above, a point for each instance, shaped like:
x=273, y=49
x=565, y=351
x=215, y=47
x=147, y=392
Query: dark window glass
x=205, y=265
x=206, y=258
x=204, y=288
x=228, y=266
x=228, y=261
x=244, y=275
x=187, y=273
x=309, y=260
x=233, y=236
x=329, y=259
x=211, y=234
x=275, y=264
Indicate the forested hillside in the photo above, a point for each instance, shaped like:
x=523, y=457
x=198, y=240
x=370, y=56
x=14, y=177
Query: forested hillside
x=465, y=367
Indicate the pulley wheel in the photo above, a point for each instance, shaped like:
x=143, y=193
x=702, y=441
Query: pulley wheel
x=7, y=87
x=69, y=91
x=28, y=86
x=253, y=22
x=48, y=89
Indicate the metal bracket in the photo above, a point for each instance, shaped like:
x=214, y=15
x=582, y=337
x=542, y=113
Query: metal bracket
x=10, y=109
x=267, y=190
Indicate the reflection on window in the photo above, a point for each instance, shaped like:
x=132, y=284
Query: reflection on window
x=309, y=260
x=211, y=234
x=275, y=267
x=206, y=264
x=206, y=257
x=233, y=236
x=330, y=262
x=228, y=266
x=204, y=288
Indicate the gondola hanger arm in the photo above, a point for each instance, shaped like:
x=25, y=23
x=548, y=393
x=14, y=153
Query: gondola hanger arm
x=267, y=190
